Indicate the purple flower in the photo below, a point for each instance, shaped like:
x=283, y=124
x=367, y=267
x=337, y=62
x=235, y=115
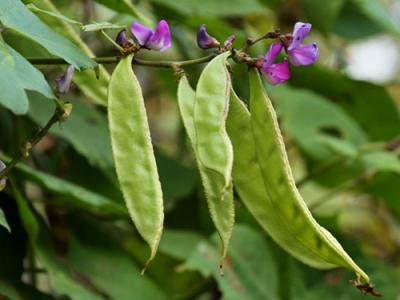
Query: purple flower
x=155, y=40
x=276, y=73
x=204, y=40
x=229, y=41
x=63, y=83
x=298, y=53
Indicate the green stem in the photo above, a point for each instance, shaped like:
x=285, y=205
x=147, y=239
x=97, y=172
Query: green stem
x=136, y=61
x=29, y=144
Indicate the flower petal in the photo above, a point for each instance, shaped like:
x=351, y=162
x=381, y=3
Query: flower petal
x=272, y=53
x=204, y=40
x=141, y=32
x=63, y=82
x=301, y=30
x=304, y=55
x=121, y=37
x=161, y=39
x=277, y=73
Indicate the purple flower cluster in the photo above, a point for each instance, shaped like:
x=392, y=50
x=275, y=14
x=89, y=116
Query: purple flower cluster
x=158, y=39
x=298, y=53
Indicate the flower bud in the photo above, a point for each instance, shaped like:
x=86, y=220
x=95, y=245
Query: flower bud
x=123, y=40
x=228, y=42
x=204, y=40
x=63, y=83
x=3, y=180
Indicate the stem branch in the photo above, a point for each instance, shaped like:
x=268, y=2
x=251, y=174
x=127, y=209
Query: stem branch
x=136, y=61
x=58, y=116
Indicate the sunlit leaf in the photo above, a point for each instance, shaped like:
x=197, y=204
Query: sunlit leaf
x=14, y=15
x=251, y=273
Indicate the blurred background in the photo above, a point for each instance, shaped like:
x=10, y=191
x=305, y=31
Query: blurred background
x=340, y=120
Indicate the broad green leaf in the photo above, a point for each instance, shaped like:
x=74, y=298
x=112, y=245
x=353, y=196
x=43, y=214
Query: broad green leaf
x=322, y=14
x=61, y=276
x=306, y=116
x=12, y=94
x=251, y=273
x=57, y=15
x=126, y=7
x=30, y=78
x=339, y=146
x=222, y=211
x=95, y=255
x=74, y=195
x=377, y=11
x=382, y=161
x=95, y=89
x=179, y=243
x=352, y=23
x=3, y=221
x=323, y=287
x=86, y=129
x=294, y=227
x=176, y=179
x=366, y=103
x=213, y=8
x=14, y=15
x=101, y=26
x=18, y=74
x=133, y=154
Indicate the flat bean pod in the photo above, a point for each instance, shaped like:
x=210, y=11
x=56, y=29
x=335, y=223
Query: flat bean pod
x=263, y=180
x=214, y=149
x=133, y=154
x=222, y=212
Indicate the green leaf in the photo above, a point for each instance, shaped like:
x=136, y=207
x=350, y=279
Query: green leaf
x=30, y=78
x=86, y=129
x=212, y=8
x=252, y=273
x=95, y=255
x=61, y=276
x=3, y=221
x=306, y=116
x=12, y=94
x=14, y=15
x=17, y=74
x=377, y=11
x=101, y=26
x=57, y=15
x=72, y=194
x=322, y=14
x=366, y=103
x=179, y=243
x=339, y=146
x=92, y=87
x=134, y=155
x=176, y=179
x=352, y=23
x=382, y=161
x=126, y=7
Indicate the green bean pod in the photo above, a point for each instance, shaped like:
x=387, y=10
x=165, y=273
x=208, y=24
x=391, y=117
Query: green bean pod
x=214, y=149
x=133, y=154
x=222, y=212
x=264, y=181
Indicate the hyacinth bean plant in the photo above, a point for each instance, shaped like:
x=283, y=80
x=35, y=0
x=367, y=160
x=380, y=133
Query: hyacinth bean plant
x=237, y=144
